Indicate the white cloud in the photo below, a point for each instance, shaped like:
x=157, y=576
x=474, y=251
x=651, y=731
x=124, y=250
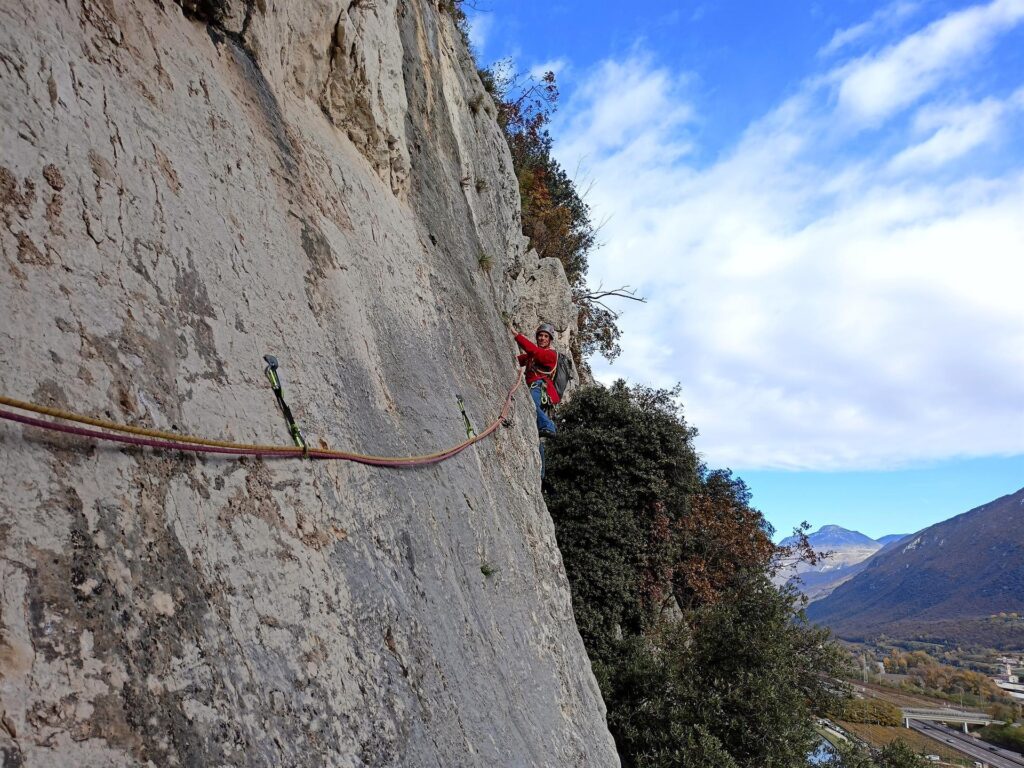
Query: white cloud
x=824, y=306
x=883, y=18
x=874, y=86
x=557, y=66
x=480, y=26
x=955, y=131
x=634, y=107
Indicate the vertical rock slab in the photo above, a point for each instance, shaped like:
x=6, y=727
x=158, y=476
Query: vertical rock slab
x=184, y=188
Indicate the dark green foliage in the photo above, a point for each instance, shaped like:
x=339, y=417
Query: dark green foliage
x=736, y=677
x=623, y=460
x=850, y=755
x=1007, y=736
x=897, y=754
x=702, y=662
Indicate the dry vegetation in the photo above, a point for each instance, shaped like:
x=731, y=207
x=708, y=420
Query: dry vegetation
x=880, y=735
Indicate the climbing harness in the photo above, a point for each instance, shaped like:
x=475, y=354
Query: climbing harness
x=545, y=398
x=559, y=376
x=462, y=407
x=275, y=382
x=155, y=438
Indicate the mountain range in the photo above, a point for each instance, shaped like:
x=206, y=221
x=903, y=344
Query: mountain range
x=847, y=554
x=959, y=581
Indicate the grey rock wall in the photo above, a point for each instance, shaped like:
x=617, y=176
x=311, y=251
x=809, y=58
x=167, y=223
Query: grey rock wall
x=184, y=188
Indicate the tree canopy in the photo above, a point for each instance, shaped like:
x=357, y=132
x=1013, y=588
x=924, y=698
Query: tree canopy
x=701, y=660
x=896, y=754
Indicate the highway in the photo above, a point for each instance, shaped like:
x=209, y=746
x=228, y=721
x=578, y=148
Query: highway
x=977, y=749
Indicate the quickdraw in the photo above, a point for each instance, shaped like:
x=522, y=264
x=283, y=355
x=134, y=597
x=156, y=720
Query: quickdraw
x=275, y=383
x=470, y=433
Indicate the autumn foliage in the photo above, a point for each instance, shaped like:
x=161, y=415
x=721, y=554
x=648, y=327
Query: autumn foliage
x=874, y=711
x=556, y=217
x=934, y=675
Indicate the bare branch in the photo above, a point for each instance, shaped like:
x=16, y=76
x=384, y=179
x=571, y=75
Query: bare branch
x=624, y=292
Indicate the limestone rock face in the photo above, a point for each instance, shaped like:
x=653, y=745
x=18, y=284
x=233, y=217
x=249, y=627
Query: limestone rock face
x=184, y=188
x=542, y=291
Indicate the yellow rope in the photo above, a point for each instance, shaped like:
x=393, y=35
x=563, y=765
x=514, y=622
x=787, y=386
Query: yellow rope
x=113, y=426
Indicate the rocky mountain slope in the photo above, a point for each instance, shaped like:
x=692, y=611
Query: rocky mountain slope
x=184, y=188
x=892, y=538
x=847, y=552
x=949, y=583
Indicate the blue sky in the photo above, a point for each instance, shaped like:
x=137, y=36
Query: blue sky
x=824, y=206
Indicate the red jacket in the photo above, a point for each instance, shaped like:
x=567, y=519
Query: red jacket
x=537, y=360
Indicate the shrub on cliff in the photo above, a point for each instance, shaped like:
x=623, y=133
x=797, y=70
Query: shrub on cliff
x=700, y=659
x=556, y=218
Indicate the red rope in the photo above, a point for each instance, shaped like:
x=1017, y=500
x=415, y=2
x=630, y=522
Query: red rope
x=148, y=442
x=272, y=453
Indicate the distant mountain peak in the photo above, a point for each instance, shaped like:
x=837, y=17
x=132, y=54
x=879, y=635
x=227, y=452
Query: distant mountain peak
x=943, y=583
x=835, y=537
x=847, y=552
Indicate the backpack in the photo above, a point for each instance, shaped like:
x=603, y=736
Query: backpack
x=563, y=374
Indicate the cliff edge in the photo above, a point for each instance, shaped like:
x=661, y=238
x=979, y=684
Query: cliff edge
x=183, y=189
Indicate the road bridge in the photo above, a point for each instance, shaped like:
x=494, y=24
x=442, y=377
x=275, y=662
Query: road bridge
x=945, y=716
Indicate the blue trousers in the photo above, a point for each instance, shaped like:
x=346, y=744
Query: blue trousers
x=544, y=421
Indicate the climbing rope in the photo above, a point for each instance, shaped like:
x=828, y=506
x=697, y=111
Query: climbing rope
x=155, y=438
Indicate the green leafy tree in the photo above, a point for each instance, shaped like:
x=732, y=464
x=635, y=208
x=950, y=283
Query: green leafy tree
x=848, y=754
x=1003, y=712
x=896, y=754
x=1004, y=735
x=619, y=473
x=700, y=659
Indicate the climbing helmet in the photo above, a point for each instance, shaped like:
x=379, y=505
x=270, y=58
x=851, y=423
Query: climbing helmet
x=547, y=328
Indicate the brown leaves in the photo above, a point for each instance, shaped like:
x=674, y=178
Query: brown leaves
x=720, y=539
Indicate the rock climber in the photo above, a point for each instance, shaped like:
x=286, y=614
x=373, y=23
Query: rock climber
x=540, y=360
